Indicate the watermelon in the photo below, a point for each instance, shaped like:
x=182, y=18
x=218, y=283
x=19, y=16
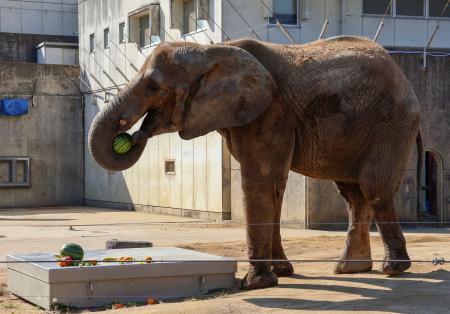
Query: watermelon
x=122, y=144
x=73, y=250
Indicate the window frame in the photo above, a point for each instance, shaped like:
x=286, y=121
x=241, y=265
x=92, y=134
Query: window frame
x=141, y=44
x=133, y=20
x=437, y=17
x=393, y=13
x=92, y=42
x=425, y=6
x=106, y=33
x=122, y=33
x=271, y=20
x=390, y=14
x=187, y=32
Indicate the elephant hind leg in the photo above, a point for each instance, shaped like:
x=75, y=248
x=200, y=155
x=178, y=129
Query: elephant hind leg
x=357, y=246
x=379, y=181
x=396, y=259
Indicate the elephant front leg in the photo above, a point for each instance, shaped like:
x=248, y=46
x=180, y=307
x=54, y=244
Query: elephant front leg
x=284, y=268
x=357, y=246
x=260, y=213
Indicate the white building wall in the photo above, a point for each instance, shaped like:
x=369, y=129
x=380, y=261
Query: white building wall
x=196, y=187
x=50, y=17
x=198, y=182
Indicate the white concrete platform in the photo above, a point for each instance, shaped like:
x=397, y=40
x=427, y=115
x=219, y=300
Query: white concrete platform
x=180, y=273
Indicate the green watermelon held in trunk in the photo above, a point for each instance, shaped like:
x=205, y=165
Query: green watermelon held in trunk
x=75, y=251
x=122, y=144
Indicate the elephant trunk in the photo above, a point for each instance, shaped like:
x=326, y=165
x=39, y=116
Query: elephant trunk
x=104, y=129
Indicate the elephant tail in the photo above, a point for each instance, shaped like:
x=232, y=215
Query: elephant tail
x=419, y=144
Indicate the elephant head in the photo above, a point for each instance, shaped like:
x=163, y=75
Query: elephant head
x=189, y=88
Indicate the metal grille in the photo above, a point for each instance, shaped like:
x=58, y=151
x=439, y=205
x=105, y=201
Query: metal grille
x=14, y=172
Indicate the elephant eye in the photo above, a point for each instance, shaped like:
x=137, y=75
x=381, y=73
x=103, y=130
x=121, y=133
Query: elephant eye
x=152, y=86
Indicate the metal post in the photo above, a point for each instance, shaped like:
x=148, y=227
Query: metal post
x=324, y=28
x=428, y=46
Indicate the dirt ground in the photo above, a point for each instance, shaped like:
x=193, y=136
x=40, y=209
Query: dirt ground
x=313, y=288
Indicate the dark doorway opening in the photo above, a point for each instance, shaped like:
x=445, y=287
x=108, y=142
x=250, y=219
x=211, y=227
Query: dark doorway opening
x=429, y=210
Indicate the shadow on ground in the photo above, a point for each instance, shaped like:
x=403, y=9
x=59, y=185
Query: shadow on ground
x=410, y=293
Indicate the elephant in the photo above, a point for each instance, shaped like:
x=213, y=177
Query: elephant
x=338, y=109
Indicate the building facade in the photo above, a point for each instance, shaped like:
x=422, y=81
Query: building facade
x=116, y=36
x=41, y=154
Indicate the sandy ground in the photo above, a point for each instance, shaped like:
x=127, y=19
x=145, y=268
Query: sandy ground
x=314, y=287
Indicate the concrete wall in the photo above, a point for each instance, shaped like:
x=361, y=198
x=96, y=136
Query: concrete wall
x=51, y=134
x=196, y=187
x=22, y=47
x=432, y=88
x=51, y=17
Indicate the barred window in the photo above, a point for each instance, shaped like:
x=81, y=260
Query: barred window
x=285, y=11
x=378, y=7
x=411, y=7
x=437, y=7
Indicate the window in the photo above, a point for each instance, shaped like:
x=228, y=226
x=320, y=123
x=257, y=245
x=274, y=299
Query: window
x=285, y=11
x=92, y=42
x=436, y=8
x=144, y=26
x=410, y=7
x=106, y=38
x=144, y=31
x=14, y=172
x=189, y=16
x=121, y=33
x=376, y=7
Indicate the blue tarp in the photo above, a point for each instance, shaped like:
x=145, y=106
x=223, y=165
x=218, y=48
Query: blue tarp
x=13, y=107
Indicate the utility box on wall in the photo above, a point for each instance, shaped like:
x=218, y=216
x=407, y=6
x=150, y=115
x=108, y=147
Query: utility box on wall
x=57, y=53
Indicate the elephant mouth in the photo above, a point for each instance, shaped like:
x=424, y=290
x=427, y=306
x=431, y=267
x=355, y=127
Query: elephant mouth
x=144, y=132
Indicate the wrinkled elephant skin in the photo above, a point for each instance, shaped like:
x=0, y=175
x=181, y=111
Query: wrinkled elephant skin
x=338, y=109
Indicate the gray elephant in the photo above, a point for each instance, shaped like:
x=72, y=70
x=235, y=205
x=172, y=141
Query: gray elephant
x=337, y=109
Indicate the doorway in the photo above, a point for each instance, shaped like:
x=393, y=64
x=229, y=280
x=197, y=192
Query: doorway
x=429, y=209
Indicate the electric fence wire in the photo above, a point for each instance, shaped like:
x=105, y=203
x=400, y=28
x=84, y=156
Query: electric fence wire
x=435, y=261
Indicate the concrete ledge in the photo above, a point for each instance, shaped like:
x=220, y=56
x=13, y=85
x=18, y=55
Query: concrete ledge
x=207, y=215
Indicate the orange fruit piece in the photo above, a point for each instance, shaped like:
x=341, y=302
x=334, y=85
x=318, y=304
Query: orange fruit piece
x=118, y=306
x=151, y=301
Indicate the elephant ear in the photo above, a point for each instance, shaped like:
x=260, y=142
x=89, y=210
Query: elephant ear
x=231, y=88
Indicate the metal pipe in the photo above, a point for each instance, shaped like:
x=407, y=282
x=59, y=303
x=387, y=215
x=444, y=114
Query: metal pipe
x=324, y=28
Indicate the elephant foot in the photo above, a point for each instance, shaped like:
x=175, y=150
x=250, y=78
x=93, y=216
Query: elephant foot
x=282, y=269
x=254, y=280
x=392, y=267
x=352, y=267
